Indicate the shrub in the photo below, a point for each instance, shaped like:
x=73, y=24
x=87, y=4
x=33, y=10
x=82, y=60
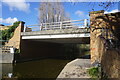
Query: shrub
x=94, y=72
x=7, y=34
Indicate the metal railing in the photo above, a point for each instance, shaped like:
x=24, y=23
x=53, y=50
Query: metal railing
x=7, y=49
x=58, y=25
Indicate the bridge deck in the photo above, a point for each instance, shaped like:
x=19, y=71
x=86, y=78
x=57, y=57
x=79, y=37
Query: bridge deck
x=59, y=36
x=63, y=31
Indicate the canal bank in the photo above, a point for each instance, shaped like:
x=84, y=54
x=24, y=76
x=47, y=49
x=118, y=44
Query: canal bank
x=54, y=69
x=75, y=69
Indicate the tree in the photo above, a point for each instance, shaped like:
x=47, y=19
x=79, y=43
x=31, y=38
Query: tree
x=106, y=5
x=52, y=12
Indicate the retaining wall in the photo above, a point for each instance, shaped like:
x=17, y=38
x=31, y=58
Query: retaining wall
x=105, y=41
x=6, y=57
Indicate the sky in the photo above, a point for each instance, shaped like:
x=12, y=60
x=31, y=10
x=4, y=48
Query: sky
x=29, y=11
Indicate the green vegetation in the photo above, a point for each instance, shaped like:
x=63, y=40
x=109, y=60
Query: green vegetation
x=94, y=72
x=8, y=33
x=95, y=12
x=84, y=49
x=97, y=73
x=17, y=50
x=72, y=51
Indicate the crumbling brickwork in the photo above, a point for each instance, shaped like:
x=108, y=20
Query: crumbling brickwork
x=105, y=41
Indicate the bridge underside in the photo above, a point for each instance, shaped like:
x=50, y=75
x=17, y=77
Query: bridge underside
x=38, y=44
x=41, y=48
x=79, y=38
x=85, y=40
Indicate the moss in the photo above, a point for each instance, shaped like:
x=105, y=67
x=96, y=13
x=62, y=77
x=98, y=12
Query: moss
x=95, y=12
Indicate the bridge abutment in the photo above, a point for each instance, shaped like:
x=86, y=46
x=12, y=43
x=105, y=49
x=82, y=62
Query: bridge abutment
x=105, y=42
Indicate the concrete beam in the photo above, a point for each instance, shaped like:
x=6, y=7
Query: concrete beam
x=57, y=36
x=62, y=31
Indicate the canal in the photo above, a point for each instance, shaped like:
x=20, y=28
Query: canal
x=47, y=67
x=44, y=68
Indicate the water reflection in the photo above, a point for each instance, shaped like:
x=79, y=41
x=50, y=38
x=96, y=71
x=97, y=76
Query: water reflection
x=6, y=69
x=0, y=71
x=45, y=68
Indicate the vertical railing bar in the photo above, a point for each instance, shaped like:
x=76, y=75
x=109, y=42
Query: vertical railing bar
x=41, y=27
x=24, y=28
x=85, y=23
x=61, y=25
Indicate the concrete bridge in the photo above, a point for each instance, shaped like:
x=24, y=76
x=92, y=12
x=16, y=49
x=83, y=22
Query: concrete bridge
x=48, y=39
x=73, y=31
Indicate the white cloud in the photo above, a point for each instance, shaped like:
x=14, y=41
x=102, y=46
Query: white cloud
x=8, y=20
x=79, y=13
x=36, y=9
x=20, y=5
x=113, y=11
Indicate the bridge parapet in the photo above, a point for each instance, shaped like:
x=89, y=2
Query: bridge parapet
x=63, y=31
x=56, y=33
x=74, y=24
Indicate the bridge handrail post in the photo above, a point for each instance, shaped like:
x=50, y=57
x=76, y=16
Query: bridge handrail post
x=41, y=26
x=85, y=23
x=24, y=28
x=45, y=26
x=61, y=25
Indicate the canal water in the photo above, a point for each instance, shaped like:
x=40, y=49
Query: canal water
x=44, y=68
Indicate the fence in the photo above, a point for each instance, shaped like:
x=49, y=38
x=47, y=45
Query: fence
x=58, y=25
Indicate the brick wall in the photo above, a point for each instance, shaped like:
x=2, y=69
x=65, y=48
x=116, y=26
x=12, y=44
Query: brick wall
x=105, y=40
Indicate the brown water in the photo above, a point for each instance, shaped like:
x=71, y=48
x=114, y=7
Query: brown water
x=45, y=68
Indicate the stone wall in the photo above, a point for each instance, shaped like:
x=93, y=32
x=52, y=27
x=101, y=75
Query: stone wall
x=105, y=41
x=94, y=34
x=7, y=58
x=15, y=40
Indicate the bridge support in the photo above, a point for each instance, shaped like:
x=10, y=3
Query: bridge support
x=15, y=40
x=104, y=47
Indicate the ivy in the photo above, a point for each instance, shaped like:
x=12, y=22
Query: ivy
x=8, y=33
